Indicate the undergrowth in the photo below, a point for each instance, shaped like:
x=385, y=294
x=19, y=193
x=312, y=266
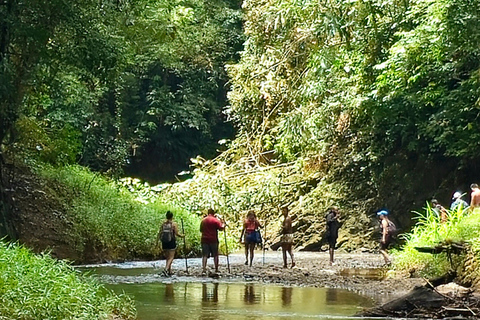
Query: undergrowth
x=39, y=287
x=114, y=221
x=428, y=231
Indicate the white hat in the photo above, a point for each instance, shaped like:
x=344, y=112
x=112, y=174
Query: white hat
x=457, y=195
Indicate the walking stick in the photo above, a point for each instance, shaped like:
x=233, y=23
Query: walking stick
x=226, y=248
x=184, y=247
x=264, y=242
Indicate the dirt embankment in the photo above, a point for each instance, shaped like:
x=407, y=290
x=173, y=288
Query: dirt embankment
x=33, y=214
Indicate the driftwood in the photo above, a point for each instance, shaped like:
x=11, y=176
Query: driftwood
x=427, y=302
x=420, y=296
x=447, y=247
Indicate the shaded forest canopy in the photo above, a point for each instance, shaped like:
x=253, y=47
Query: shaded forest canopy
x=357, y=104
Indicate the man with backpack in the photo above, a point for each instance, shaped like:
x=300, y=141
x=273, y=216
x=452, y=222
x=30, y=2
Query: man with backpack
x=332, y=224
x=167, y=235
x=388, y=230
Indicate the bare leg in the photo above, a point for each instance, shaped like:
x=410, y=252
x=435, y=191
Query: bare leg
x=385, y=256
x=246, y=253
x=331, y=251
x=204, y=263
x=290, y=251
x=284, y=252
x=251, y=248
x=169, y=255
x=215, y=262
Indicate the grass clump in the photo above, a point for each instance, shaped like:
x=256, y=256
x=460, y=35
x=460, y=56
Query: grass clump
x=429, y=232
x=111, y=221
x=39, y=287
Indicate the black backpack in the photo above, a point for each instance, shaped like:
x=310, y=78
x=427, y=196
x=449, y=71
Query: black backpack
x=167, y=232
x=392, y=228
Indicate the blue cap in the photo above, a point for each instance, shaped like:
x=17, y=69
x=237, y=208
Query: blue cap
x=382, y=213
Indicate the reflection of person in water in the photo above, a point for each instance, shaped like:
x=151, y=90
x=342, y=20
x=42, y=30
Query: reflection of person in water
x=210, y=296
x=249, y=294
x=169, y=292
x=331, y=296
x=286, y=296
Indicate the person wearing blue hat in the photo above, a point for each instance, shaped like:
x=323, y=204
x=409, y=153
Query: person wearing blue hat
x=458, y=202
x=387, y=228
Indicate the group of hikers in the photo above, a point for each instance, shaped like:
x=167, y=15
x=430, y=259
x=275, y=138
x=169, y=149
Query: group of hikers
x=251, y=236
x=209, y=227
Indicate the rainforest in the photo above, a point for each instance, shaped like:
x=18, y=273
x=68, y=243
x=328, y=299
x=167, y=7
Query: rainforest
x=115, y=112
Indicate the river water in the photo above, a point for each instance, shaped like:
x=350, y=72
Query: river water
x=201, y=298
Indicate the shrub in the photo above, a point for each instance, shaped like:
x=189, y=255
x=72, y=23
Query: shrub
x=39, y=287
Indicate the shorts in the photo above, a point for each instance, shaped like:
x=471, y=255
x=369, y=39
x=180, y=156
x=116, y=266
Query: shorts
x=386, y=244
x=287, y=238
x=171, y=245
x=210, y=249
x=331, y=238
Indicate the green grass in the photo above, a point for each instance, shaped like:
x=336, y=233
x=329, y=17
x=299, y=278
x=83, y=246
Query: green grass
x=39, y=287
x=428, y=231
x=113, y=220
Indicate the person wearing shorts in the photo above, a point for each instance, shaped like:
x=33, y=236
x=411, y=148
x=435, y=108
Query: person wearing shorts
x=209, y=228
x=248, y=235
x=169, y=247
x=332, y=224
x=287, y=237
x=386, y=238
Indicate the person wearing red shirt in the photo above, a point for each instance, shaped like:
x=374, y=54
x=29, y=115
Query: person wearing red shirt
x=248, y=235
x=209, y=228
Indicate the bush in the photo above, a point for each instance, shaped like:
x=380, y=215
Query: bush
x=39, y=287
x=428, y=232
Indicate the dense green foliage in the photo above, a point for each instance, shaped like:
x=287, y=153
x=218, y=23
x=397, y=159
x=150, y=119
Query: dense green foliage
x=39, y=287
x=461, y=227
x=350, y=103
x=358, y=104
x=138, y=84
x=113, y=222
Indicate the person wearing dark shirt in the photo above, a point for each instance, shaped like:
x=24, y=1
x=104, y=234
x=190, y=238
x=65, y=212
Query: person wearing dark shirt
x=332, y=222
x=209, y=228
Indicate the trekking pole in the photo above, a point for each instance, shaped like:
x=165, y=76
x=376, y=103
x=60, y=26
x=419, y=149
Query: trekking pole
x=264, y=242
x=184, y=247
x=226, y=248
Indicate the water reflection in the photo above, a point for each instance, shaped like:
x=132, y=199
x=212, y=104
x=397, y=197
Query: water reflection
x=249, y=296
x=331, y=296
x=240, y=301
x=210, y=292
x=287, y=296
x=169, y=293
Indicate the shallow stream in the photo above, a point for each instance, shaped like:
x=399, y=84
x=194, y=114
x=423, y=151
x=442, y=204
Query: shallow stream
x=187, y=297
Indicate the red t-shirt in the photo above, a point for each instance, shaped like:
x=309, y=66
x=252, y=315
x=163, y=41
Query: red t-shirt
x=209, y=227
x=250, y=225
